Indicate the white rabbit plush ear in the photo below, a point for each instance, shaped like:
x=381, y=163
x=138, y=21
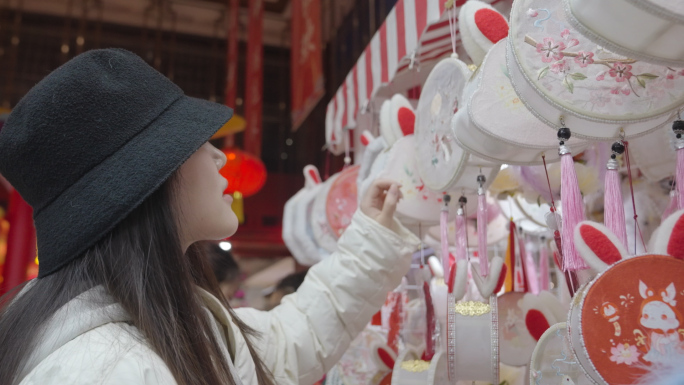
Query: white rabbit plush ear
x=458, y=279
x=383, y=356
x=540, y=312
x=385, y=125
x=481, y=26
x=366, y=138
x=670, y=236
x=598, y=246
x=436, y=267
x=402, y=116
x=486, y=286
x=311, y=176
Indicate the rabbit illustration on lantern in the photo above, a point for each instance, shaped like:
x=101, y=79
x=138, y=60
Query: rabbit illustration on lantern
x=663, y=320
x=611, y=314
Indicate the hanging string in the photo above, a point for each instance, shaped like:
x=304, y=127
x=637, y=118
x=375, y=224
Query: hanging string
x=631, y=189
x=347, y=146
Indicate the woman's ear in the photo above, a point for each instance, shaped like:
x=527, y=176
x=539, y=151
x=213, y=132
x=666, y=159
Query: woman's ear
x=598, y=246
x=670, y=236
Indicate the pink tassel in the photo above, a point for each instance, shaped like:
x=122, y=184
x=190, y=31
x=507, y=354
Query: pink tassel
x=444, y=234
x=680, y=178
x=461, y=247
x=678, y=129
x=671, y=207
x=573, y=209
x=613, y=205
x=544, y=278
x=532, y=277
x=482, y=231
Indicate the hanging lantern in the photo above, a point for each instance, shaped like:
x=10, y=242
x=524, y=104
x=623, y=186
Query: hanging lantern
x=246, y=175
x=245, y=172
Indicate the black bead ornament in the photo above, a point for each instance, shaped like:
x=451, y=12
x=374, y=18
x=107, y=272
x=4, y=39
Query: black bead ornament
x=462, y=200
x=564, y=133
x=618, y=147
x=678, y=128
x=481, y=179
x=447, y=199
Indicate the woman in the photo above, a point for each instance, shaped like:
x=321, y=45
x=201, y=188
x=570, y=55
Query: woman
x=114, y=160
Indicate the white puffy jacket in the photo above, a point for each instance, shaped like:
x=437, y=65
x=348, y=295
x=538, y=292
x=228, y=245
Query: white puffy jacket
x=89, y=340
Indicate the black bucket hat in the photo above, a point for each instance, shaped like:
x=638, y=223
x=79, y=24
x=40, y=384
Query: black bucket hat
x=92, y=140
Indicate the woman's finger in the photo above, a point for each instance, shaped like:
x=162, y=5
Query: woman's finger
x=389, y=206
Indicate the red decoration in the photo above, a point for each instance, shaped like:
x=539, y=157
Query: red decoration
x=675, y=246
x=536, y=323
x=492, y=24
x=245, y=172
x=600, y=244
x=407, y=120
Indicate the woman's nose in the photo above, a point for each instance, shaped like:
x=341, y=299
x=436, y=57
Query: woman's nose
x=220, y=158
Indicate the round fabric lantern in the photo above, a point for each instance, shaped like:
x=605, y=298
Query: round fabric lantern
x=245, y=172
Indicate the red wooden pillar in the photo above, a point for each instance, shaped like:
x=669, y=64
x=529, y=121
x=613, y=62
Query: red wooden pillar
x=21, y=242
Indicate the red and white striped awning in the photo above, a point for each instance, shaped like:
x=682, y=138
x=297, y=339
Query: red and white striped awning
x=413, y=29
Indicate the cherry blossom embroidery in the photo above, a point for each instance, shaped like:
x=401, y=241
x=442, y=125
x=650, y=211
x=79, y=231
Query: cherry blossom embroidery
x=584, y=58
x=624, y=354
x=561, y=66
x=598, y=99
x=550, y=50
x=621, y=72
x=617, y=90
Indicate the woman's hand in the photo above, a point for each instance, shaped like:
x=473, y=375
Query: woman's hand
x=381, y=200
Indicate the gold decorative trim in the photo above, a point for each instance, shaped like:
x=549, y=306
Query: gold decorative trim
x=472, y=308
x=415, y=366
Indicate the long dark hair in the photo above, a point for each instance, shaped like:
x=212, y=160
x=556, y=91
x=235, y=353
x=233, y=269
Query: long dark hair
x=141, y=264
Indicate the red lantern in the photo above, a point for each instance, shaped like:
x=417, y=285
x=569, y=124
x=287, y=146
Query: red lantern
x=246, y=174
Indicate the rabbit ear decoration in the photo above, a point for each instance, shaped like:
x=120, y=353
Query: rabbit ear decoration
x=541, y=311
x=311, y=176
x=402, y=116
x=481, y=26
x=384, y=357
x=487, y=285
x=385, y=125
x=669, y=239
x=458, y=279
x=366, y=138
x=598, y=246
x=436, y=267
